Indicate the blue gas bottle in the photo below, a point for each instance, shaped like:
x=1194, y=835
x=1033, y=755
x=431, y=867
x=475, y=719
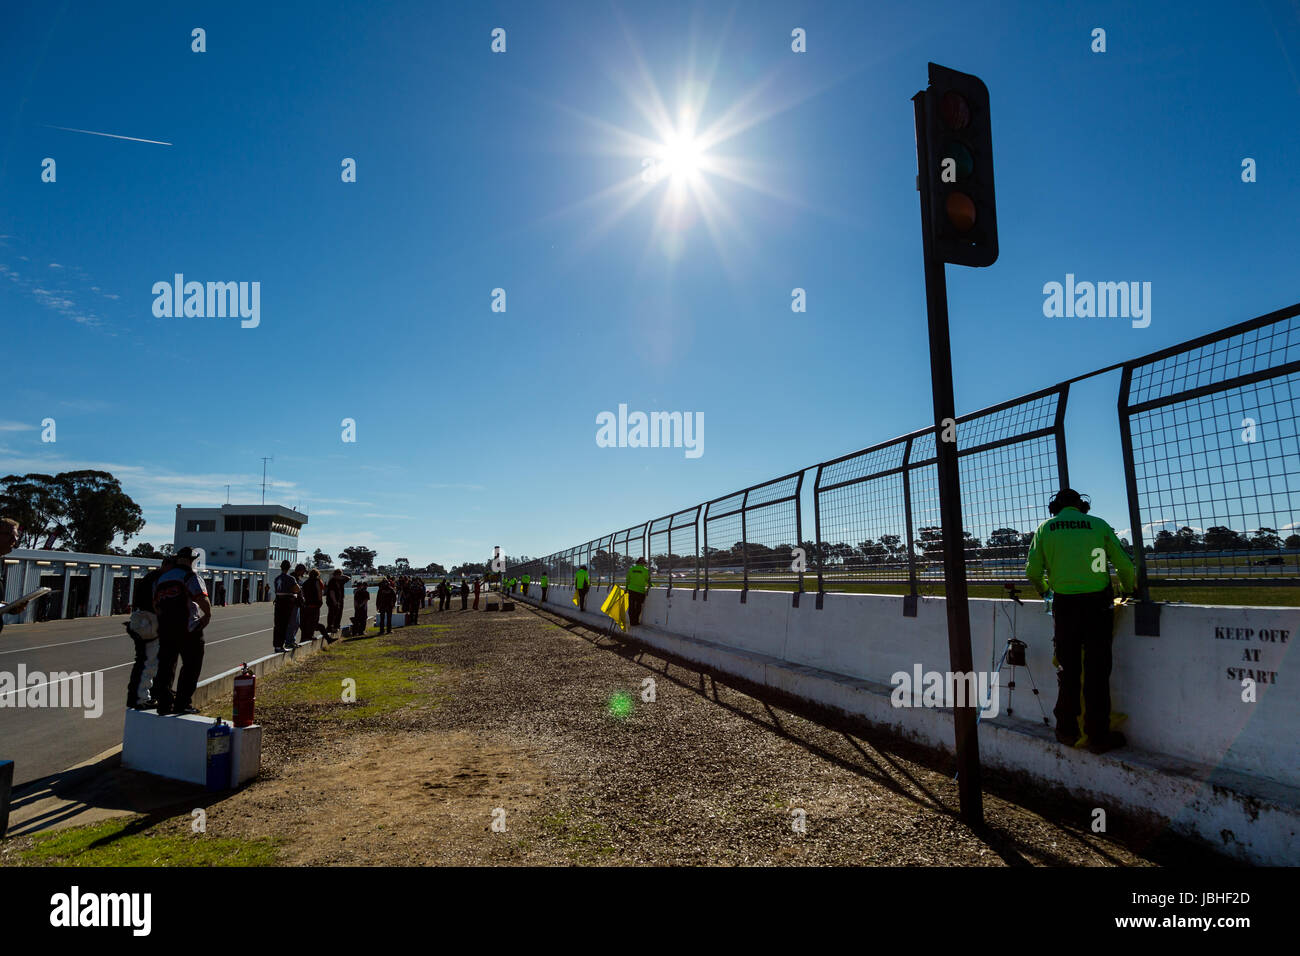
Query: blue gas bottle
x=220, y=737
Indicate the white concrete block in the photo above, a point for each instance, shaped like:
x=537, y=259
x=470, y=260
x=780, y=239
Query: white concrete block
x=177, y=747
x=245, y=754
x=171, y=746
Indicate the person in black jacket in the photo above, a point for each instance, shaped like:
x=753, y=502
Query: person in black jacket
x=286, y=599
x=313, y=596
x=181, y=602
x=385, y=601
x=360, y=608
x=334, y=595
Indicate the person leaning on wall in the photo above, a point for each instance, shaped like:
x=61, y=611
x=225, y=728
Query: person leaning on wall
x=1067, y=560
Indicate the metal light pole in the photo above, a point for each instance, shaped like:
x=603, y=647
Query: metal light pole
x=954, y=556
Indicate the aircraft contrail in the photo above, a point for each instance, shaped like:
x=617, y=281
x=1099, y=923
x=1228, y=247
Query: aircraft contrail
x=134, y=139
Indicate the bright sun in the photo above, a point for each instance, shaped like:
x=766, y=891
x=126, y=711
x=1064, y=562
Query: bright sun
x=681, y=157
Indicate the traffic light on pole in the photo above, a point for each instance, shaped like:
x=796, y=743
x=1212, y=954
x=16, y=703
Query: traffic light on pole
x=958, y=173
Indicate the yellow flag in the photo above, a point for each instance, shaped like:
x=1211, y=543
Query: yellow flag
x=616, y=606
x=575, y=599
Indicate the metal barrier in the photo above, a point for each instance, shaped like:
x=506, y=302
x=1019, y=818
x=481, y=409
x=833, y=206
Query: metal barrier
x=764, y=522
x=877, y=510
x=1211, y=441
x=667, y=565
x=1212, y=456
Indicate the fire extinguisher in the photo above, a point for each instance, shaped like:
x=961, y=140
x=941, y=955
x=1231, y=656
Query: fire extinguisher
x=219, y=755
x=245, y=685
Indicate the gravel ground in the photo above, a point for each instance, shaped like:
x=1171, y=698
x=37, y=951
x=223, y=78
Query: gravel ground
x=513, y=751
x=519, y=723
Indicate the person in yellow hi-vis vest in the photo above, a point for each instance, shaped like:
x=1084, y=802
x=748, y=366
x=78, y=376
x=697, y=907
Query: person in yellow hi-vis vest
x=638, y=583
x=1067, y=559
x=527, y=580
x=545, y=582
x=581, y=584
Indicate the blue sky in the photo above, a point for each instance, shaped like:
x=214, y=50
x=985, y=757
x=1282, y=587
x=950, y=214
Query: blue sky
x=521, y=171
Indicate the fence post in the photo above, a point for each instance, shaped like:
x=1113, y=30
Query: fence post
x=706, y=549
x=1146, y=621
x=670, y=554
x=1062, y=463
x=744, y=548
x=696, y=528
x=798, y=532
x=909, y=600
x=817, y=531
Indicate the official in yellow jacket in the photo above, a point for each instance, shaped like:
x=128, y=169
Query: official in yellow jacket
x=638, y=583
x=1068, y=558
x=582, y=584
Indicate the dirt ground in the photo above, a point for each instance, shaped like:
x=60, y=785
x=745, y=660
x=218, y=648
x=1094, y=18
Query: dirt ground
x=539, y=726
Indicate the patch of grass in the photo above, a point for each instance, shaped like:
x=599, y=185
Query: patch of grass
x=1245, y=594
x=382, y=668
x=127, y=842
x=587, y=837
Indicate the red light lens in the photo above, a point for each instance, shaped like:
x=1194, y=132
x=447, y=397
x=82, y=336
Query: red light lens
x=954, y=110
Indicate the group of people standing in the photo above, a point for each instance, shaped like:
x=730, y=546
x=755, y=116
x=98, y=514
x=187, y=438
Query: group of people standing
x=637, y=586
x=407, y=595
x=524, y=582
x=169, y=610
x=299, y=598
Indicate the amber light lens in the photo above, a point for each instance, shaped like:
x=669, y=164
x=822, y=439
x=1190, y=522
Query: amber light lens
x=961, y=211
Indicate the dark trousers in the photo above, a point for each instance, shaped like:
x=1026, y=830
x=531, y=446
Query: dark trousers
x=360, y=617
x=544, y=590
x=635, y=601
x=334, y=617
x=310, y=623
x=188, y=646
x=582, y=598
x=464, y=602
x=1084, y=631
x=385, y=622
x=445, y=605
x=413, y=612
x=280, y=625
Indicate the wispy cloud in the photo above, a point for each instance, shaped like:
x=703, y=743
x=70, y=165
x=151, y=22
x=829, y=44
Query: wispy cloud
x=91, y=132
x=65, y=302
x=16, y=427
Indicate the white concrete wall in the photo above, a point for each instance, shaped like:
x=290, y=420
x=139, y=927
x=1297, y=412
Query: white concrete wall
x=1200, y=760
x=1176, y=689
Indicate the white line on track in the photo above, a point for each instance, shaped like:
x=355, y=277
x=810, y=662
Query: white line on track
x=107, y=637
x=103, y=670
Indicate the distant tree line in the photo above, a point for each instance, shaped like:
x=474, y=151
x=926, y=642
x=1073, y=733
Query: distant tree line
x=71, y=511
